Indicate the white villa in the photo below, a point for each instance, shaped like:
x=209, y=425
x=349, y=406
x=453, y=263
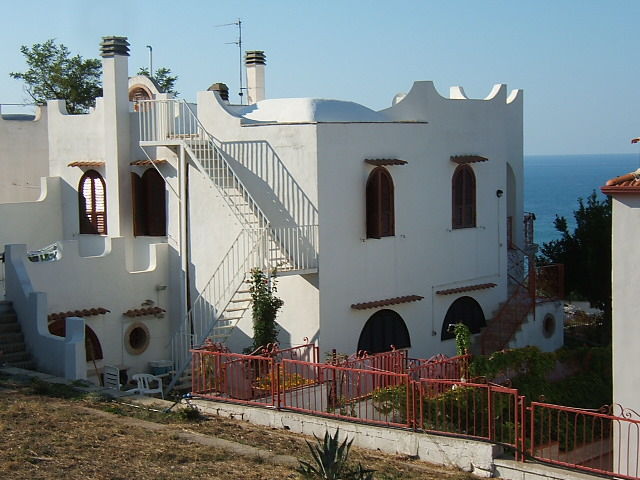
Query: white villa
x=384, y=227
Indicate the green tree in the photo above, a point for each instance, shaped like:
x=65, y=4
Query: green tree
x=53, y=73
x=163, y=78
x=265, y=306
x=585, y=252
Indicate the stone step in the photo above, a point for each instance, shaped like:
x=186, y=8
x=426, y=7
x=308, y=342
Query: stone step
x=12, y=347
x=6, y=306
x=9, y=338
x=27, y=365
x=8, y=317
x=10, y=328
x=14, y=357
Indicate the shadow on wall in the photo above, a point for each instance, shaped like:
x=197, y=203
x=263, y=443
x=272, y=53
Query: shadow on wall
x=285, y=202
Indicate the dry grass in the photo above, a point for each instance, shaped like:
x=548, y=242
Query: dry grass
x=49, y=437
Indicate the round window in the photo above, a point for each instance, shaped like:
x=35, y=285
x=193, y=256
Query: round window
x=548, y=325
x=136, y=339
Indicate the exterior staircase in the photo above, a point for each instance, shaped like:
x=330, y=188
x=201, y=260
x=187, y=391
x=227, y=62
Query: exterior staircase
x=508, y=319
x=13, y=351
x=224, y=299
x=521, y=288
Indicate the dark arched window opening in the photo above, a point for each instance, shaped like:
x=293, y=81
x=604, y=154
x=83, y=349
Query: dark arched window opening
x=464, y=310
x=384, y=329
x=92, y=198
x=91, y=342
x=463, y=186
x=380, y=209
x=149, y=204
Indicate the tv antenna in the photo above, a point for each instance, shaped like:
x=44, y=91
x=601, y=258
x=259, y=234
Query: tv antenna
x=238, y=42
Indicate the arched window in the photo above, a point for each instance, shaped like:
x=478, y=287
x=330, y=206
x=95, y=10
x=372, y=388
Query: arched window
x=464, y=310
x=384, y=329
x=149, y=204
x=380, y=215
x=463, y=187
x=92, y=198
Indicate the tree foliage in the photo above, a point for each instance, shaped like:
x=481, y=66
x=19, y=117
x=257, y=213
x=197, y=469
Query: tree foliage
x=585, y=252
x=163, y=78
x=53, y=73
x=265, y=306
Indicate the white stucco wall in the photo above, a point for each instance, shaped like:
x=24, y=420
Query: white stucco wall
x=625, y=278
x=532, y=331
x=34, y=223
x=426, y=254
x=23, y=156
x=76, y=283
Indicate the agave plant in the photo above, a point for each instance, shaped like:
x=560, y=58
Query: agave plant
x=330, y=461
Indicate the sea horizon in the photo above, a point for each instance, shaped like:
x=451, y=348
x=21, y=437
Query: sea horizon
x=553, y=184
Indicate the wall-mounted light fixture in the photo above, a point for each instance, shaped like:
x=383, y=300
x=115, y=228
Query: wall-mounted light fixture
x=499, y=193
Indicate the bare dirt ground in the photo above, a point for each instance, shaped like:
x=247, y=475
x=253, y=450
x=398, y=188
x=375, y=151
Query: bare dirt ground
x=54, y=433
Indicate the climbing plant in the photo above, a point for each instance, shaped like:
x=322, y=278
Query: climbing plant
x=265, y=306
x=463, y=338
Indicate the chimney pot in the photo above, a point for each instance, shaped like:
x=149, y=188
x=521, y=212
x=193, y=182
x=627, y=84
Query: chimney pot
x=222, y=90
x=112, y=46
x=255, y=61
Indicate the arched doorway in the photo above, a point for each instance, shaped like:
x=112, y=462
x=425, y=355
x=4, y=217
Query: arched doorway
x=91, y=342
x=464, y=310
x=384, y=329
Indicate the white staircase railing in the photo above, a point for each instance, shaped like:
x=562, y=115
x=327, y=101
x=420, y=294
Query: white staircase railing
x=286, y=249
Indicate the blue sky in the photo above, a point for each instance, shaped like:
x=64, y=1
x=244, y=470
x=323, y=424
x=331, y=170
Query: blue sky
x=575, y=60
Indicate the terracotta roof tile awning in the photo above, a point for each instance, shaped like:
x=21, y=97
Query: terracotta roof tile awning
x=87, y=312
x=383, y=162
x=629, y=183
x=86, y=164
x=386, y=302
x=461, y=159
x=466, y=288
x=141, y=312
x=144, y=163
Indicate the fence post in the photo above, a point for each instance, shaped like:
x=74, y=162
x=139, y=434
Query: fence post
x=275, y=380
x=520, y=428
x=490, y=429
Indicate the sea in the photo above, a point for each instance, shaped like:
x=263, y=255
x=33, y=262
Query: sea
x=553, y=184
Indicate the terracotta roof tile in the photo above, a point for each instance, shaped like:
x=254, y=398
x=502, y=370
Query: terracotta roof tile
x=144, y=163
x=460, y=159
x=466, y=288
x=629, y=183
x=86, y=164
x=87, y=312
x=141, y=312
x=385, y=161
x=386, y=302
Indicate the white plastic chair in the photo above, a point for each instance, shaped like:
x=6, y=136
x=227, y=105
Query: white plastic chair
x=111, y=377
x=144, y=381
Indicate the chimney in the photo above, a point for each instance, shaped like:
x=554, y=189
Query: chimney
x=255, y=61
x=222, y=90
x=117, y=148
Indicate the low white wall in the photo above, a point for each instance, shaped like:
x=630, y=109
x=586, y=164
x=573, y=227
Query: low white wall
x=59, y=356
x=76, y=282
x=37, y=223
x=467, y=455
x=531, y=333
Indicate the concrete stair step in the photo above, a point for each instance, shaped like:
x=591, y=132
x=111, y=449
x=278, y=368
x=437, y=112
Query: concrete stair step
x=27, y=365
x=10, y=328
x=15, y=357
x=11, y=337
x=8, y=317
x=7, y=348
x=6, y=306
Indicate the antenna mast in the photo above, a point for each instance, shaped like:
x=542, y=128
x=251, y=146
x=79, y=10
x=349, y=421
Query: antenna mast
x=238, y=23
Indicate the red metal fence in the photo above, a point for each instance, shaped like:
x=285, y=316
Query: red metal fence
x=593, y=441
